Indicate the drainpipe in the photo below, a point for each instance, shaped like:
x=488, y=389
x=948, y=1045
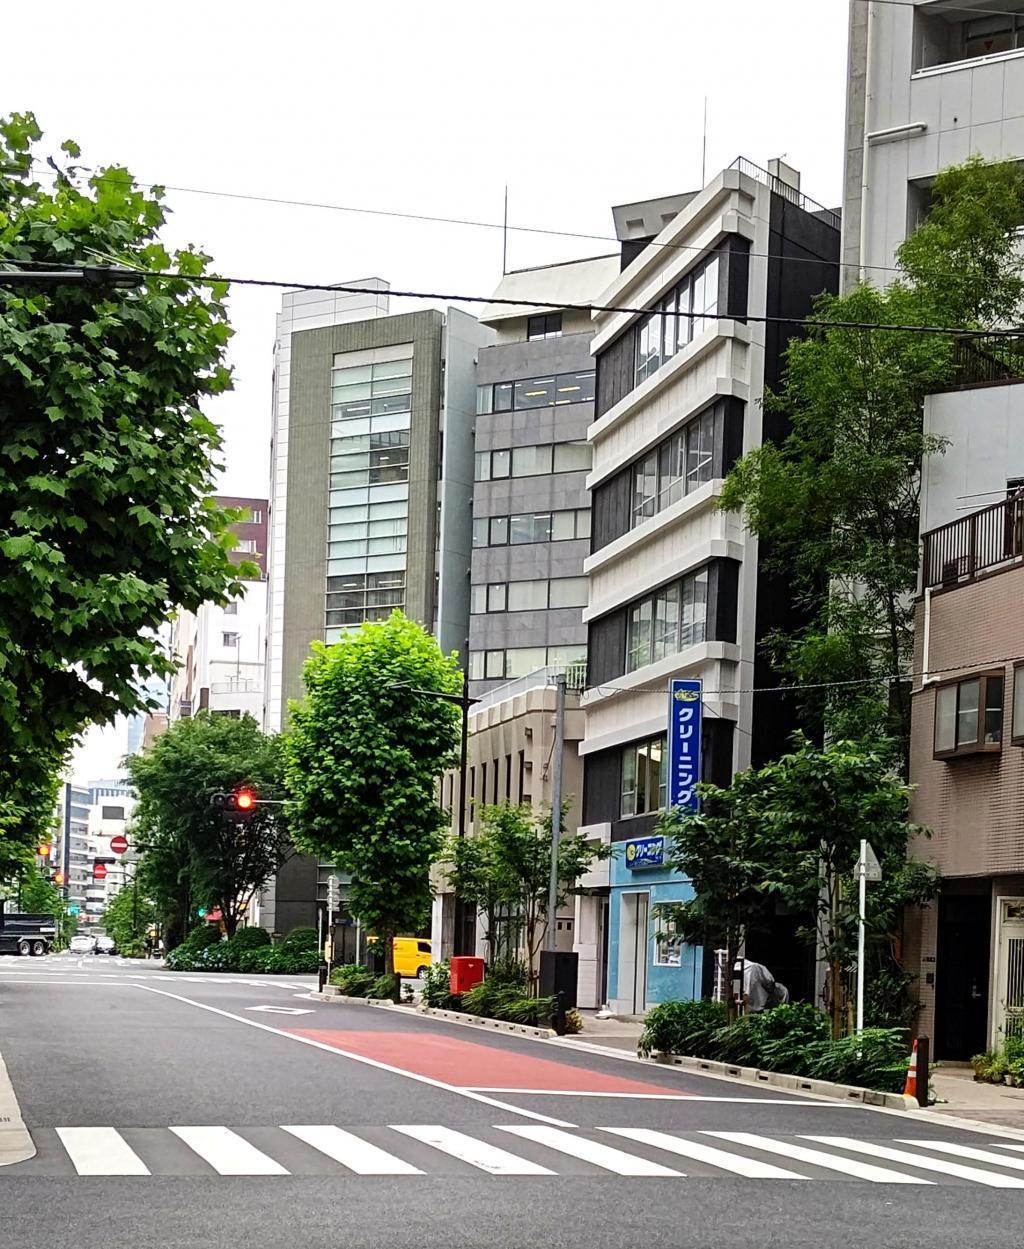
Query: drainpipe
x=926, y=640
x=869, y=30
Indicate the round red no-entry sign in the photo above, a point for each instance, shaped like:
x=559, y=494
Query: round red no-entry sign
x=118, y=844
x=99, y=870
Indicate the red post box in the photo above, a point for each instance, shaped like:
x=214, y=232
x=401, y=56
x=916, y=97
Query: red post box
x=466, y=972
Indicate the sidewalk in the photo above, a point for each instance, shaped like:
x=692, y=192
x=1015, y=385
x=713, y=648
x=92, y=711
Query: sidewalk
x=616, y=1033
x=959, y=1094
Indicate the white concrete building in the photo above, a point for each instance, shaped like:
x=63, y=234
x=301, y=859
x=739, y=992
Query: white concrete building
x=109, y=812
x=929, y=85
x=676, y=586
x=221, y=653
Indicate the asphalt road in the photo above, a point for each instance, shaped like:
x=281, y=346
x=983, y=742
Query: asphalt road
x=175, y=1110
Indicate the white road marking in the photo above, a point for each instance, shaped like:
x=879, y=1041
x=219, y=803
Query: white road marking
x=359, y=1058
x=281, y=1010
x=101, y=1151
x=351, y=1150
x=477, y=1153
x=667, y=1097
x=227, y=1152
x=817, y=1158
x=590, y=1151
x=752, y=1168
x=921, y=1162
x=968, y=1151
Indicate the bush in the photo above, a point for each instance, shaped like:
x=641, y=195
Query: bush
x=681, y=1028
x=250, y=939
x=573, y=1022
x=510, y=972
x=526, y=1010
x=877, y=1059
x=300, y=939
x=386, y=986
x=436, y=984
x=788, y=1037
x=352, y=979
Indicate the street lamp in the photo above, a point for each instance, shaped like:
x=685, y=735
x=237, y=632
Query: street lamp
x=84, y=275
x=464, y=701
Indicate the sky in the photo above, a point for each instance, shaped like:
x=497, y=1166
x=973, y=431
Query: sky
x=433, y=109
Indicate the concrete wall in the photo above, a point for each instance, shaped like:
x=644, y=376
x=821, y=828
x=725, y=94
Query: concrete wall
x=984, y=427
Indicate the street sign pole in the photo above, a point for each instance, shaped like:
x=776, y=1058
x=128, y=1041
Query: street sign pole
x=862, y=885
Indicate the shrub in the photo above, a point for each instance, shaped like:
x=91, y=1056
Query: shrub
x=250, y=939
x=300, y=939
x=287, y=962
x=509, y=972
x=573, y=1022
x=385, y=986
x=788, y=1037
x=352, y=979
x=255, y=959
x=436, y=983
x=737, y=1043
x=525, y=1010
x=681, y=1028
x=876, y=1059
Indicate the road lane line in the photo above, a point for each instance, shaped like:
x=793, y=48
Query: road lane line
x=227, y=1152
x=738, y=1164
x=921, y=1162
x=358, y=1058
x=817, y=1158
x=667, y=1097
x=351, y=1150
x=968, y=1151
x=469, y=1149
x=603, y=1156
x=101, y=1151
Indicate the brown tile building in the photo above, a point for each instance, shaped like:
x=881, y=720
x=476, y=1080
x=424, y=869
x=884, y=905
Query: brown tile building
x=967, y=764
x=251, y=531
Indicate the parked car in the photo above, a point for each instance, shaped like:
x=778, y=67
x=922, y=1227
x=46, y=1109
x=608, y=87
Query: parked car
x=105, y=944
x=82, y=943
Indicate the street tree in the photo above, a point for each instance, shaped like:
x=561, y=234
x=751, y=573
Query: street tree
x=837, y=503
x=194, y=855
x=106, y=460
x=364, y=753
x=505, y=868
x=128, y=916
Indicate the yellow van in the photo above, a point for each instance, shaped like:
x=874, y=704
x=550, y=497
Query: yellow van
x=411, y=954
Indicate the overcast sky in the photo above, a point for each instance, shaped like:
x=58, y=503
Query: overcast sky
x=422, y=108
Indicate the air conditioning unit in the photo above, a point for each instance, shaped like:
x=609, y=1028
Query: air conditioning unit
x=185, y=709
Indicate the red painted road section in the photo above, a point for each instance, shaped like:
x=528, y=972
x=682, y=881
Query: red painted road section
x=467, y=1064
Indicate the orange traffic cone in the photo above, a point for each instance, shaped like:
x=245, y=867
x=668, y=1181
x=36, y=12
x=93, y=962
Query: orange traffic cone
x=910, y=1088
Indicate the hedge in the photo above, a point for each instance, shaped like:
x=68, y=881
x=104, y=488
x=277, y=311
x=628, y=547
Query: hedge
x=249, y=950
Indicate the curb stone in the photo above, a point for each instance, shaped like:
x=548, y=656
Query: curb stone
x=452, y=1016
x=16, y=1144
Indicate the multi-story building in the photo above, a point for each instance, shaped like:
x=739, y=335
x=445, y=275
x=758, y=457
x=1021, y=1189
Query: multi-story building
x=676, y=587
x=220, y=649
x=531, y=507
x=110, y=809
x=929, y=85
x=372, y=472
x=72, y=857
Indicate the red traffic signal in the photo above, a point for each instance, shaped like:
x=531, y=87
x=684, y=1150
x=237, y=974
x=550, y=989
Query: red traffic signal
x=244, y=800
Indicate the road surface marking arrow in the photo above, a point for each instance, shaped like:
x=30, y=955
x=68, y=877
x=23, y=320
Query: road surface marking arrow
x=281, y=1010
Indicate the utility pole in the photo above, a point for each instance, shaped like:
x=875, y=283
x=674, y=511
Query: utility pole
x=556, y=807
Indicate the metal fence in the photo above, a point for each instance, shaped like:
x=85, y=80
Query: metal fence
x=785, y=190
x=960, y=550
x=998, y=358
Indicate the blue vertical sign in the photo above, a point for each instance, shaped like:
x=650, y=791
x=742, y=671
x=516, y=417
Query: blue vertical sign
x=684, y=720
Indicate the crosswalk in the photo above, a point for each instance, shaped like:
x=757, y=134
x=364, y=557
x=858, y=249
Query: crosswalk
x=516, y=1151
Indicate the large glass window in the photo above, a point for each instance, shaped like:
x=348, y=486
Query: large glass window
x=969, y=715
x=536, y=392
x=499, y=596
x=544, y=325
x=667, y=621
x=644, y=778
x=683, y=463
x=669, y=326
x=357, y=597
x=521, y=661
x=370, y=389
x=527, y=527
x=527, y=595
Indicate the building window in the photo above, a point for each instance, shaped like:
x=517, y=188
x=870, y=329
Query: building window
x=500, y=596
x=520, y=661
x=229, y=639
x=246, y=545
x=969, y=716
x=231, y=609
x=529, y=527
x=363, y=596
x=373, y=458
x=676, y=468
x=668, y=951
x=677, y=318
x=644, y=780
x=545, y=325
x=553, y=391
x=1017, y=732
x=561, y=457
x=667, y=621
x=370, y=390
x=985, y=36
x=113, y=813
x=257, y=516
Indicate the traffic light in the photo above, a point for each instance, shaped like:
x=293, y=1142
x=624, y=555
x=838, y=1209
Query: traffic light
x=239, y=803
x=58, y=879
x=43, y=850
x=243, y=800
x=201, y=912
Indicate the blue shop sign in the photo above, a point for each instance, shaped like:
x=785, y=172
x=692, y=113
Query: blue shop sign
x=645, y=852
x=684, y=723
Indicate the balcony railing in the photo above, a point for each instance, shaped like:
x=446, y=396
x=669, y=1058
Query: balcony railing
x=985, y=539
x=981, y=361
x=792, y=193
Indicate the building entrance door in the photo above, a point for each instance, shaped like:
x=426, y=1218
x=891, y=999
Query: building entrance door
x=961, y=976
x=633, y=959
x=1009, y=1011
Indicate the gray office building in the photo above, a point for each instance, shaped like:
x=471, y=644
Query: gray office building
x=531, y=507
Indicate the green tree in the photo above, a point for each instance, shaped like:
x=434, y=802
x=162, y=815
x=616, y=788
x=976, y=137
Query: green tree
x=506, y=868
x=792, y=831
x=193, y=855
x=106, y=461
x=837, y=502
x=128, y=915
x=364, y=754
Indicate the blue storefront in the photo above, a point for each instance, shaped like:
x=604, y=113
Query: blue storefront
x=647, y=962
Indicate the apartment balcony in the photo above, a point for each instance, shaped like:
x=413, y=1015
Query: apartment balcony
x=990, y=360
x=991, y=538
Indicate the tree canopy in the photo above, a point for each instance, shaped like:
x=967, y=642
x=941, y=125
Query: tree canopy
x=837, y=502
x=364, y=753
x=106, y=460
x=192, y=854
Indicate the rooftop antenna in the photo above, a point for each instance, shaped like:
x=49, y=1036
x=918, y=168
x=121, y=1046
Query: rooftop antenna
x=704, y=147
x=504, y=237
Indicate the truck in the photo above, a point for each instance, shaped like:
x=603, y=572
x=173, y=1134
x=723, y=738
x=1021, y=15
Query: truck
x=25, y=933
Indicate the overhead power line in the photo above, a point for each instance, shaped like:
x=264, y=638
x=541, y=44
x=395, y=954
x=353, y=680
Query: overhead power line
x=967, y=8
